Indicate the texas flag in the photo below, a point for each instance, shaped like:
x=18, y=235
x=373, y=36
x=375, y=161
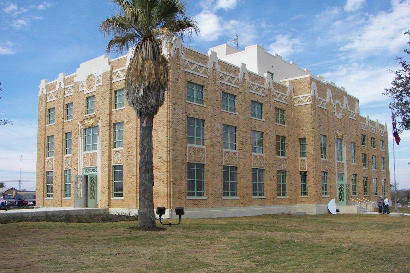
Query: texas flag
x=395, y=133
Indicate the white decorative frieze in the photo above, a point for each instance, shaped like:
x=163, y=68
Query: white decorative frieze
x=228, y=79
x=195, y=68
x=363, y=125
x=322, y=103
x=69, y=90
x=302, y=100
x=119, y=74
x=280, y=97
x=352, y=114
x=51, y=95
x=89, y=74
x=256, y=88
x=91, y=83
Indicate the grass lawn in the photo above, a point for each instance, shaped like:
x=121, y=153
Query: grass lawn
x=371, y=243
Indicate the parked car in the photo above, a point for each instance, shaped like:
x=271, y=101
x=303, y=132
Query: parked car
x=11, y=202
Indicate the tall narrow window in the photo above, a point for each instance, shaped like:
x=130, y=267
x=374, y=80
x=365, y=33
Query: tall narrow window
x=119, y=99
x=303, y=184
x=365, y=186
x=49, y=184
x=118, y=134
x=228, y=102
x=374, y=163
x=67, y=183
x=363, y=140
x=229, y=137
x=280, y=145
x=69, y=111
x=195, y=93
x=280, y=116
x=354, y=184
x=323, y=147
x=256, y=110
x=375, y=191
x=257, y=142
x=258, y=185
x=382, y=145
x=50, y=146
x=339, y=149
x=382, y=164
x=195, y=130
x=90, y=139
x=384, y=187
x=90, y=105
x=325, y=191
x=51, y=115
x=302, y=147
x=353, y=152
x=364, y=161
x=68, y=143
x=281, y=183
x=373, y=142
x=196, y=182
x=230, y=181
x=117, y=181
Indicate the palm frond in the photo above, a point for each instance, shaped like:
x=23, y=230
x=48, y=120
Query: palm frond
x=119, y=43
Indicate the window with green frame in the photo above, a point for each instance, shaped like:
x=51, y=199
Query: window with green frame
x=195, y=131
x=195, y=93
x=303, y=184
x=258, y=184
x=323, y=147
x=50, y=146
x=119, y=99
x=257, y=142
x=89, y=105
x=256, y=110
x=230, y=181
x=365, y=186
x=49, y=184
x=196, y=181
x=339, y=149
x=228, y=137
x=69, y=111
x=117, y=181
x=118, y=135
x=90, y=139
x=67, y=183
x=280, y=116
x=302, y=147
x=325, y=191
x=354, y=184
x=281, y=189
x=51, y=115
x=68, y=143
x=228, y=102
x=280, y=145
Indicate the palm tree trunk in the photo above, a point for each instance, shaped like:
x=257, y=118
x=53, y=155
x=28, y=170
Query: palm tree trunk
x=146, y=217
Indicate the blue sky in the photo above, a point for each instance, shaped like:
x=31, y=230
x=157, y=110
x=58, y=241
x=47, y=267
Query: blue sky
x=351, y=42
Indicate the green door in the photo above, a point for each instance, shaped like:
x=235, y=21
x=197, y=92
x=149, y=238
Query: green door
x=92, y=191
x=341, y=189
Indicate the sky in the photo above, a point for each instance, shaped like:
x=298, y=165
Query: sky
x=353, y=43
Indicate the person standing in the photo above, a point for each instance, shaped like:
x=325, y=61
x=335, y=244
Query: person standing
x=380, y=204
x=386, y=206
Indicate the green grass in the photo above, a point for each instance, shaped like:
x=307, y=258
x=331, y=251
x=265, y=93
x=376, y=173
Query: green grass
x=371, y=243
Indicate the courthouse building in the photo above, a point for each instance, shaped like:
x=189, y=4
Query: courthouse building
x=240, y=133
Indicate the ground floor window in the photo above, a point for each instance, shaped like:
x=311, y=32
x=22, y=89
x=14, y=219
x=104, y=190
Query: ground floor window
x=230, y=181
x=325, y=191
x=303, y=184
x=196, y=181
x=281, y=183
x=258, y=184
x=365, y=186
x=375, y=192
x=49, y=184
x=67, y=183
x=384, y=187
x=354, y=184
x=118, y=183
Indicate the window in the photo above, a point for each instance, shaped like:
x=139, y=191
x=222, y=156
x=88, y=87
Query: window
x=365, y=186
x=117, y=181
x=257, y=142
x=228, y=102
x=302, y=147
x=339, y=149
x=69, y=111
x=90, y=105
x=229, y=137
x=354, y=184
x=258, y=182
x=50, y=146
x=324, y=184
x=51, y=115
x=281, y=183
x=195, y=131
x=364, y=161
x=196, y=184
x=323, y=147
x=375, y=186
x=118, y=134
x=49, y=184
x=67, y=183
x=373, y=142
x=303, y=184
x=353, y=152
x=384, y=187
x=280, y=116
x=119, y=99
x=270, y=75
x=230, y=181
x=280, y=145
x=256, y=110
x=382, y=164
x=374, y=163
x=68, y=143
x=363, y=140
x=382, y=145
x=90, y=139
x=195, y=93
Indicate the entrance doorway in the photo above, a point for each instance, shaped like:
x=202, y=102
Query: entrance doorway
x=90, y=179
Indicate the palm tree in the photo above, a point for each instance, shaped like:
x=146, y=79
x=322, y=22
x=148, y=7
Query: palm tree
x=143, y=23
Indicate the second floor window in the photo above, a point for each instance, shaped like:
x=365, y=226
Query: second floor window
x=69, y=111
x=364, y=160
x=302, y=147
x=229, y=137
x=375, y=191
x=354, y=184
x=374, y=163
x=363, y=140
x=118, y=134
x=280, y=116
x=353, y=152
x=51, y=115
x=90, y=105
x=195, y=130
x=365, y=186
x=339, y=149
x=68, y=143
x=280, y=145
x=119, y=99
x=90, y=139
x=382, y=165
x=382, y=145
x=323, y=147
x=228, y=102
x=373, y=142
x=195, y=93
x=50, y=146
x=256, y=110
x=257, y=142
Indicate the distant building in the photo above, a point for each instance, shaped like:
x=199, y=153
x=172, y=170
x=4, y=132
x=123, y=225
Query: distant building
x=240, y=133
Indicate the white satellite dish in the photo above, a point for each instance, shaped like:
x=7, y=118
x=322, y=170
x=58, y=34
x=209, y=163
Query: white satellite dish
x=331, y=206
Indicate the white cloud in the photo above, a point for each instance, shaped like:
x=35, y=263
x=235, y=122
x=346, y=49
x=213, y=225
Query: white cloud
x=10, y=8
x=285, y=46
x=19, y=23
x=6, y=48
x=209, y=26
x=353, y=5
x=226, y=4
x=43, y=6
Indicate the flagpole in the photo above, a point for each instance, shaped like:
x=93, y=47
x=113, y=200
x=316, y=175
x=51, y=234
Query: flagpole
x=394, y=174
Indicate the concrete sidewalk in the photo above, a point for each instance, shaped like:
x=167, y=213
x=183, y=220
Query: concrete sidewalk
x=51, y=211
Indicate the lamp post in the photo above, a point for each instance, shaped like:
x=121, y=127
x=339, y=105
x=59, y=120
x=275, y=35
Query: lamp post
x=178, y=211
